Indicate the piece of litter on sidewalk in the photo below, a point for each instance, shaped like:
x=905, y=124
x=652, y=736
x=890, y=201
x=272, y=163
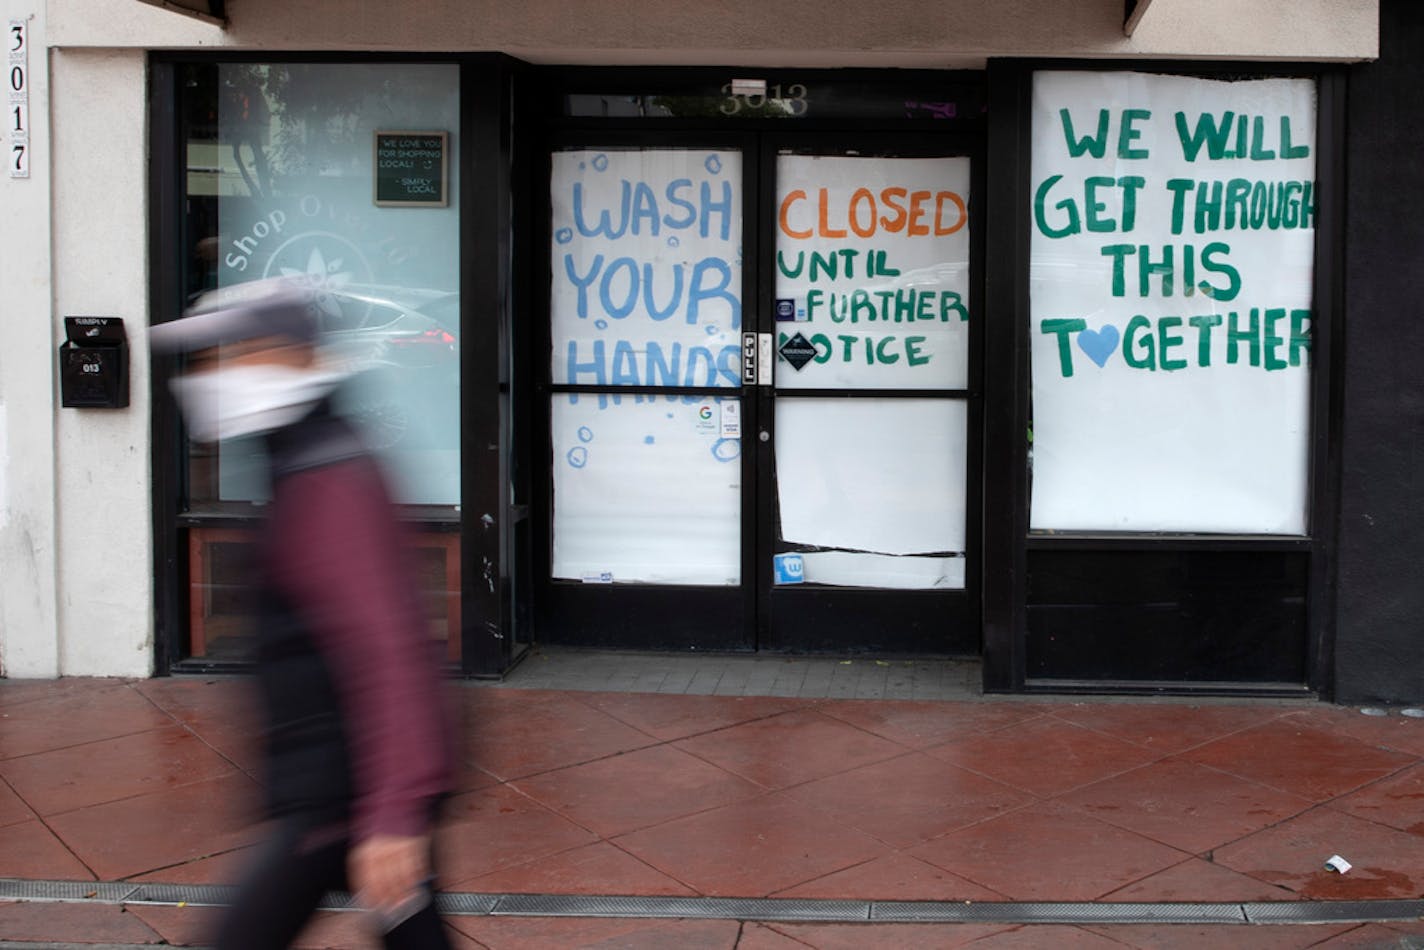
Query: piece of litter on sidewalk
x=1412, y=713
x=1337, y=864
x=1374, y=711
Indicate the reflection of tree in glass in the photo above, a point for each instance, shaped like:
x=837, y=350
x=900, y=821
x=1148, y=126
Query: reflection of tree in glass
x=306, y=119
x=318, y=115
x=246, y=120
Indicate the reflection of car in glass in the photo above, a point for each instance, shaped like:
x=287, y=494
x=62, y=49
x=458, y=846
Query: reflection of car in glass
x=401, y=346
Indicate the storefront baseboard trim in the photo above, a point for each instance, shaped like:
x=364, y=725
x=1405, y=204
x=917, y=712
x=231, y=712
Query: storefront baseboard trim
x=1169, y=688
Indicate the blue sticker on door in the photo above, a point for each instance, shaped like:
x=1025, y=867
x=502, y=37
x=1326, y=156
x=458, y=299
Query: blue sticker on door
x=789, y=568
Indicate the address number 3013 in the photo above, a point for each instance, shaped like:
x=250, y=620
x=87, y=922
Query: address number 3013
x=792, y=98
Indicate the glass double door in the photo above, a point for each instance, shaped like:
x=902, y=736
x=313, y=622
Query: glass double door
x=760, y=388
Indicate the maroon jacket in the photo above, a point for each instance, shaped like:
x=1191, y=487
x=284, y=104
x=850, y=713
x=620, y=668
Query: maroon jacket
x=358, y=726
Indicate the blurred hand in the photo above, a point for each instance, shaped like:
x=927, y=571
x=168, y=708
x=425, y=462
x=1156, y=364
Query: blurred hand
x=386, y=872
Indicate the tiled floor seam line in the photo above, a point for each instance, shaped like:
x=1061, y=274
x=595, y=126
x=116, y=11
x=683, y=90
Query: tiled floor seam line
x=769, y=789
x=605, y=839
x=1256, y=781
x=612, y=840
x=1331, y=805
x=769, y=909
x=5, y=784
x=654, y=742
x=188, y=727
x=1106, y=777
x=44, y=823
x=1036, y=796
x=1417, y=760
x=65, y=844
x=76, y=745
x=1325, y=803
x=125, y=798
x=706, y=732
x=904, y=852
x=1110, y=899
x=136, y=685
x=894, y=848
x=1174, y=752
x=1209, y=855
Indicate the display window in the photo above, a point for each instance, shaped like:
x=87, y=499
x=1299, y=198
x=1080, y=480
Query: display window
x=1176, y=305
x=1171, y=285
x=342, y=179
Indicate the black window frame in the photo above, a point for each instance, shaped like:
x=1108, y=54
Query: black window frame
x=493, y=631
x=1008, y=543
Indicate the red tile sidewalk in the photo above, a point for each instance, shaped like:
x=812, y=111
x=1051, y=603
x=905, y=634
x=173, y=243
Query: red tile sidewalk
x=670, y=795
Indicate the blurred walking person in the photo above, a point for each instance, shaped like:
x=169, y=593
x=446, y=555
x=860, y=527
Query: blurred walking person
x=357, y=740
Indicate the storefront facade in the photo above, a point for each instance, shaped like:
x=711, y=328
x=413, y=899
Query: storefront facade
x=904, y=341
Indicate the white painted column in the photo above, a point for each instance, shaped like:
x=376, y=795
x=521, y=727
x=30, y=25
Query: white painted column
x=103, y=480
x=29, y=640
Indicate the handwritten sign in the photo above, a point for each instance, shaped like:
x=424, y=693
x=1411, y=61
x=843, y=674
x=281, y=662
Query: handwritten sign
x=872, y=272
x=647, y=267
x=411, y=169
x=1172, y=253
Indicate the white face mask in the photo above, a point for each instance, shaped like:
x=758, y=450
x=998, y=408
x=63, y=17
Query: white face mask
x=236, y=401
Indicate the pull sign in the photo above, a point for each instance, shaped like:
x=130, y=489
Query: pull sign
x=757, y=357
x=18, y=81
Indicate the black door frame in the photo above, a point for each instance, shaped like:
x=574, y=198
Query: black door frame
x=920, y=622
x=644, y=617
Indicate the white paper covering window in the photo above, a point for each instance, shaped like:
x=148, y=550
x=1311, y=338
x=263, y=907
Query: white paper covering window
x=1171, y=272
x=646, y=490
x=876, y=482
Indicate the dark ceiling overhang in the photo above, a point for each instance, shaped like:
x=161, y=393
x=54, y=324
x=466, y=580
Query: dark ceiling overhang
x=213, y=11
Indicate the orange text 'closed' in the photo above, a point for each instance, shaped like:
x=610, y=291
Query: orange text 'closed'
x=893, y=211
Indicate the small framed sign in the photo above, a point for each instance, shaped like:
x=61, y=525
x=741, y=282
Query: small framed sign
x=412, y=169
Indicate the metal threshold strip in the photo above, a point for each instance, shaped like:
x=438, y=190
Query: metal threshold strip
x=771, y=908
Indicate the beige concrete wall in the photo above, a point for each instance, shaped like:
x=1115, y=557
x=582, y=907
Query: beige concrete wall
x=903, y=33
x=1261, y=29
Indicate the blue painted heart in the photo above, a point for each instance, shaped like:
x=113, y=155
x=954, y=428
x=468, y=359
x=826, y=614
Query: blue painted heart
x=1099, y=344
